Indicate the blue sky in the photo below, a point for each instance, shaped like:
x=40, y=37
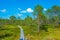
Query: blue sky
x=23, y=7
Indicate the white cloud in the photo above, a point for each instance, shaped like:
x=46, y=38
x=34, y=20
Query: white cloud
x=19, y=9
x=29, y=10
x=19, y=14
x=23, y=11
x=3, y=10
x=44, y=9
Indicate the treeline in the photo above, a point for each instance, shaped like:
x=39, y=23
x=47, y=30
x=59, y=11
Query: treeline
x=42, y=19
x=16, y=21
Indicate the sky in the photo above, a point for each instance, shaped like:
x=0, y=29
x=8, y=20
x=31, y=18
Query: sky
x=22, y=8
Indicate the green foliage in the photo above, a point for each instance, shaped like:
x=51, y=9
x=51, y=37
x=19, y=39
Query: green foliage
x=9, y=31
x=49, y=23
x=12, y=18
x=44, y=27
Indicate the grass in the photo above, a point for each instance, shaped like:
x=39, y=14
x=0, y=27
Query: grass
x=12, y=32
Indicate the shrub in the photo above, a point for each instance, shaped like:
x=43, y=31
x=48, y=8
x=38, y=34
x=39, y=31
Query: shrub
x=44, y=27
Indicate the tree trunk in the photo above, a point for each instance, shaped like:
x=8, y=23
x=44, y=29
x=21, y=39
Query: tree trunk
x=38, y=25
x=38, y=28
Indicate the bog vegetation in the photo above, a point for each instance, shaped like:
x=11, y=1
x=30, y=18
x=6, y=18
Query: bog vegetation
x=45, y=25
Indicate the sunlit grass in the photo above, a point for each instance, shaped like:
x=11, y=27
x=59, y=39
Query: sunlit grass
x=53, y=33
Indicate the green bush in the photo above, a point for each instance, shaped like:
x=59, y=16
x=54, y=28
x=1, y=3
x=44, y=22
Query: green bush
x=44, y=27
x=5, y=35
